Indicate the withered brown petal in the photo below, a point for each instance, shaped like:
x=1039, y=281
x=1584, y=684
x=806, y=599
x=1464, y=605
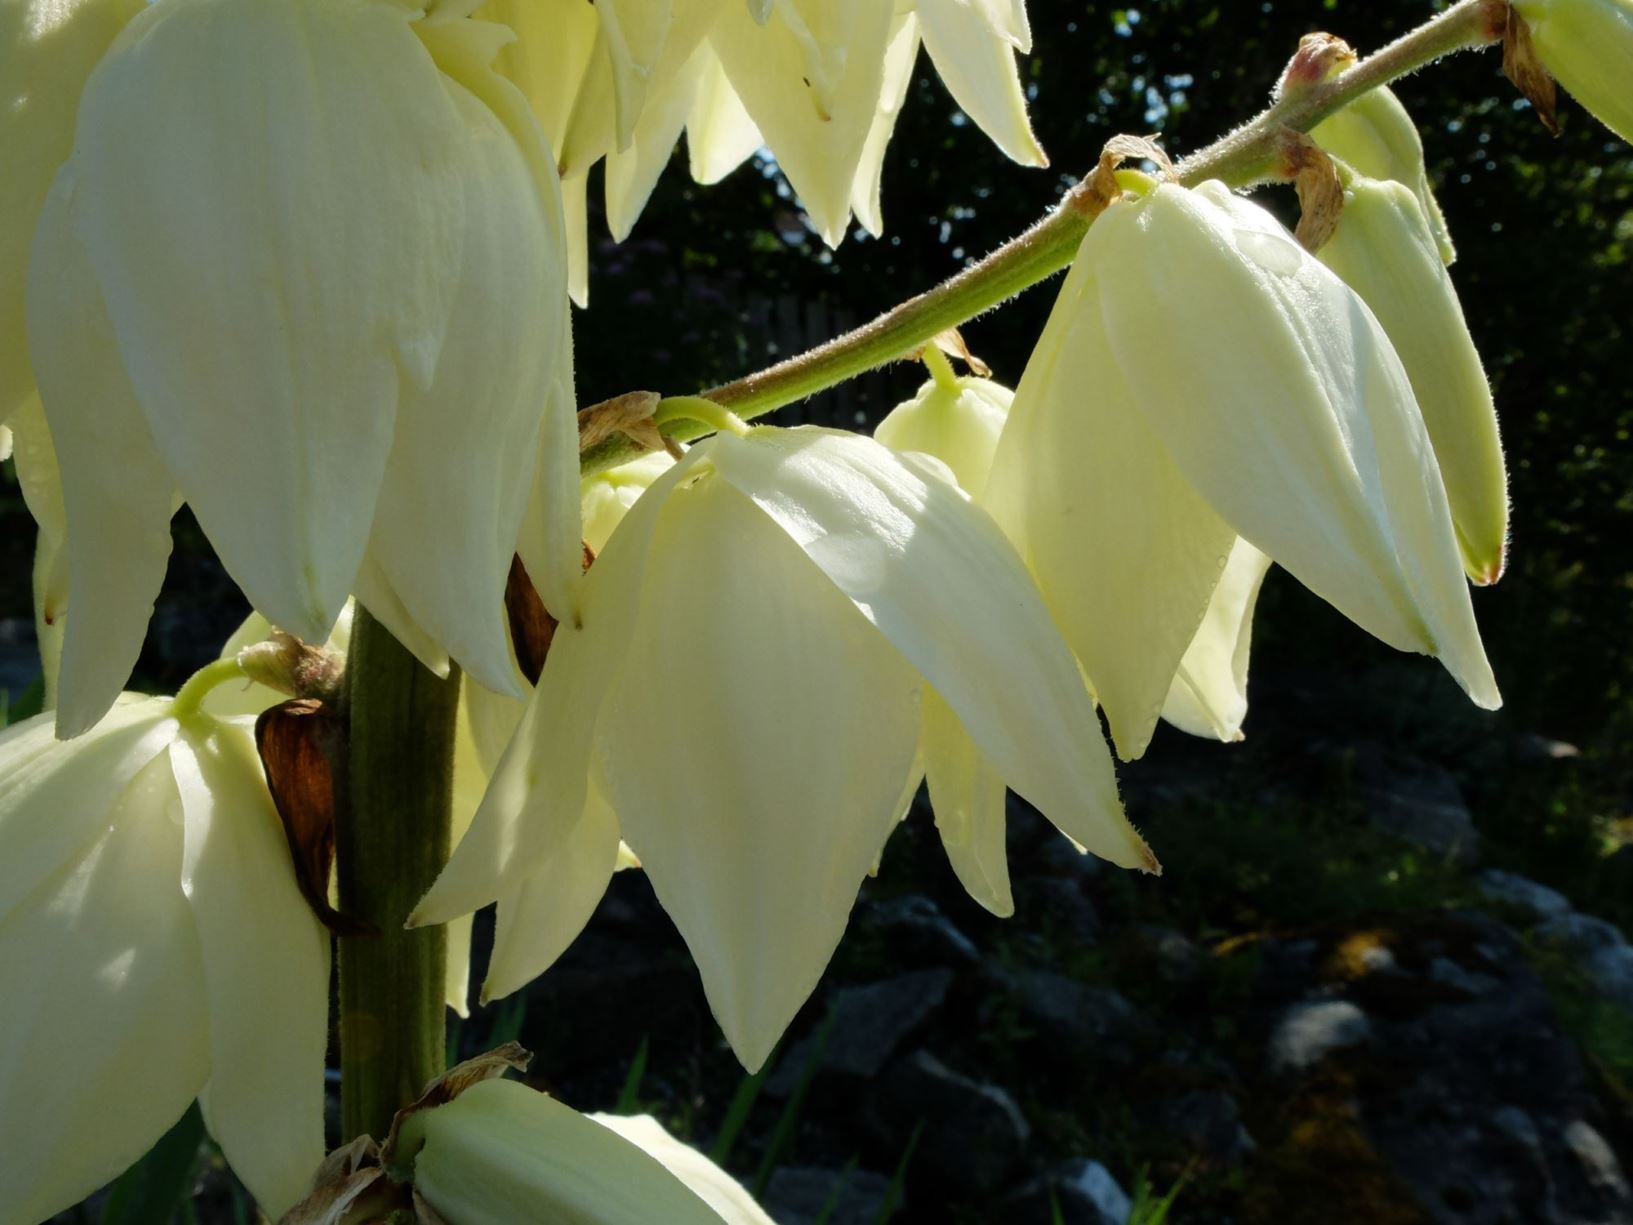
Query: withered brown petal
x=532, y=628
x=1522, y=66
x=299, y=742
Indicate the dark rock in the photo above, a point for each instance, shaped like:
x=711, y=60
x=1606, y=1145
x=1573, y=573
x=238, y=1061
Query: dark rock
x=1172, y=957
x=1059, y=906
x=917, y=933
x=1581, y=934
x=19, y=656
x=1610, y=970
x=1536, y=900
x=1415, y=801
x=1462, y=1106
x=800, y=1195
x=1078, y=1193
x=1206, y=1121
x=868, y=1024
x=1058, y=856
x=1080, y=1021
x=1311, y=1030
x=973, y=1134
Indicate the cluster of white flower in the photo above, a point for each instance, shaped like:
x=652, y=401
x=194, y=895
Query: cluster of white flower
x=305, y=266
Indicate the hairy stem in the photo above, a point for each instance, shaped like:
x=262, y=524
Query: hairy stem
x=1240, y=158
x=391, y=840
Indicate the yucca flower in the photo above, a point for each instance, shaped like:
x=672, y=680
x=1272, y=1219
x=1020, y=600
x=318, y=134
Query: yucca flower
x=500, y=1153
x=154, y=948
x=743, y=705
x=1384, y=249
x=1203, y=378
x=959, y=421
x=324, y=311
x=1588, y=45
x=817, y=82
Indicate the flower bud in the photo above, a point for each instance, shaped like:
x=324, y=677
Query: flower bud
x=500, y=1153
x=1384, y=249
x=1588, y=45
x=1376, y=137
x=957, y=421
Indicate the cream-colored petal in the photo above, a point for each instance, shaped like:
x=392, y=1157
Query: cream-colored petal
x=277, y=265
x=41, y=485
x=376, y=593
x=501, y=1152
x=977, y=63
x=462, y=462
x=47, y=49
x=536, y=794
x=811, y=79
x=1008, y=18
x=712, y=1184
x=607, y=496
x=1384, y=249
x=1126, y=552
x=543, y=914
x=551, y=53
x=117, y=493
x=266, y=966
x=754, y=750
x=632, y=172
x=102, y=995
x=575, y=210
x=1291, y=413
x=1209, y=693
x=648, y=43
x=471, y=769
x=939, y=579
x=77, y=787
x=720, y=136
x=901, y=53
x=968, y=797
x=959, y=424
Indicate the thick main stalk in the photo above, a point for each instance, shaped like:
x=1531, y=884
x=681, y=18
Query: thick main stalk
x=391, y=840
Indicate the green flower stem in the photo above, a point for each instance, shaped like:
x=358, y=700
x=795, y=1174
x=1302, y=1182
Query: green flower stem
x=1248, y=155
x=391, y=839
x=218, y=672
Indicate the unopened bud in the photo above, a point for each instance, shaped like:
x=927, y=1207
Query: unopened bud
x=1384, y=249
x=1319, y=58
x=957, y=422
x=1375, y=136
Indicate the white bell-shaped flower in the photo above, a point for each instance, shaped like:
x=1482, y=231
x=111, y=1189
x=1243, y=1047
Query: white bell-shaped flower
x=743, y=704
x=327, y=309
x=154, y=948
x=1202, y=377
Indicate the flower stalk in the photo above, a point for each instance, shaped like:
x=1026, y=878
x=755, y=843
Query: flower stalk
x=391, y=840
x=1248, y=155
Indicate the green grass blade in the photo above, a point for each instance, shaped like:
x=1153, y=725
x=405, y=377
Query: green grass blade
x=629, y=1097
x=152, y=1190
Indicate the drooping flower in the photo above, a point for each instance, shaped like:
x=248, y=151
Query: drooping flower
x=1384, y=249
x=1203, y=378
x=1588, y=45
x=817, y=82
x=959, y=422
x=743, y=704
x=501, y=1152
x=154, y=948
x=327, y=310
